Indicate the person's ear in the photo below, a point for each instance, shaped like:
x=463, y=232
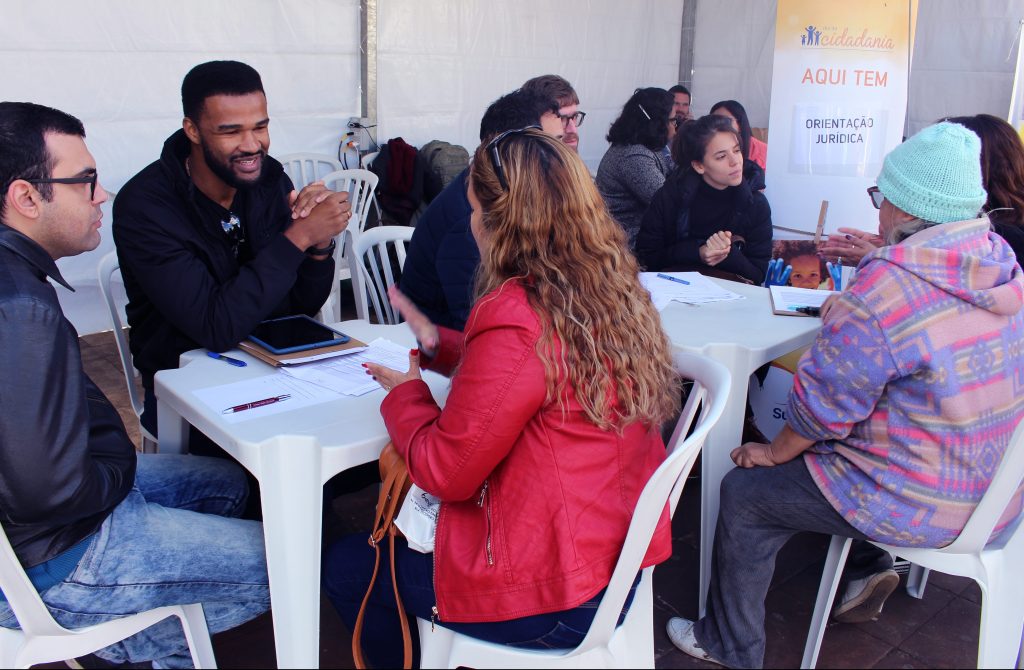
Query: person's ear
x=21, y=197
x=697, y=166
x=191, y=130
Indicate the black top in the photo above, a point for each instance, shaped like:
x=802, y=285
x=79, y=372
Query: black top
x=65, y=459
x=682, y=216
x=188, y=286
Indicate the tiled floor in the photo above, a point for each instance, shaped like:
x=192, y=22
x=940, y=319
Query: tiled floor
x=940, y=631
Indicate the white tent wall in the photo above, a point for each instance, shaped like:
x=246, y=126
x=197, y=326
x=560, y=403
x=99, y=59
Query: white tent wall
x=442, y=62
x=963, y=62
x=118, y=66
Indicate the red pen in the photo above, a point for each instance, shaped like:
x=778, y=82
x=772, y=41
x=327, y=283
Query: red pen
x=256, y=403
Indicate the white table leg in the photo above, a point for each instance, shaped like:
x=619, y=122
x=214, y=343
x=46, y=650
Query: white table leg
x=716, y=463
x=292, y=496
x=173, y=438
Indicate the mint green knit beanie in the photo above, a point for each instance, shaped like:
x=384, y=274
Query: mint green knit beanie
x=936, y=174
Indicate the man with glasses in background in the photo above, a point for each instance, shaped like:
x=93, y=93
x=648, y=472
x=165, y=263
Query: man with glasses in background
x=212, y=238
x=101, y=532
x=552, y=86
x=443, y=256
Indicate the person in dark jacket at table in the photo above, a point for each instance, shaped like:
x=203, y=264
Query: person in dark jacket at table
x=100, y=531
x=212, y=238
x=706, y=217
x=443, y=257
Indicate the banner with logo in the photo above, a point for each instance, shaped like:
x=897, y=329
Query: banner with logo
x=839, y=100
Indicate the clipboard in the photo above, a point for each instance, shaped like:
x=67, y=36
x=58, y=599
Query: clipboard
x=786, y=298
x=299, y=357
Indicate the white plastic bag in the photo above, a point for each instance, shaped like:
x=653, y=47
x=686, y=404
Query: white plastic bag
x=417, y=519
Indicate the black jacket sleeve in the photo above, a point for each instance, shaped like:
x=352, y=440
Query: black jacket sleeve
x=655, y=229
x=158, y=245
x=64, y=452
x=756, y=228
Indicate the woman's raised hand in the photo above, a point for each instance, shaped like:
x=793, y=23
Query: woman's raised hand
x=850, y=245
x=423, y=329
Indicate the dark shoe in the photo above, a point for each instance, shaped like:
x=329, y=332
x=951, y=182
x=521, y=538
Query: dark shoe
x=865, y=597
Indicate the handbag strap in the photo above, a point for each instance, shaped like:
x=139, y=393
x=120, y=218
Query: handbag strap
x=384, y=524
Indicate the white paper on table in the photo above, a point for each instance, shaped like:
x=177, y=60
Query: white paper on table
x=346, y=374
x=790, y=297
x=697, y=291
x=319, y=357
x=219, y=398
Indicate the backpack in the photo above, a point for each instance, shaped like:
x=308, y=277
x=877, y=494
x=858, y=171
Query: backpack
x=442, y=163
x=400, y=185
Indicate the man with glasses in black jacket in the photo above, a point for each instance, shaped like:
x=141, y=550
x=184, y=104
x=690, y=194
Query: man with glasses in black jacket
x=101, y=532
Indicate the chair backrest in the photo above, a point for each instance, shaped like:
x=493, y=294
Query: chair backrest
x=986, y=515
x=360, y=185
x=304, y=168
x=373, y=250
x=367, y=159
x=108, y=268
x=711, y=382
x=28, y=607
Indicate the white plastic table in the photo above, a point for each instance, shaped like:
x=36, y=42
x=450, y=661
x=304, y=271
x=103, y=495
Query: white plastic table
x=742, y=335
x=292, y=455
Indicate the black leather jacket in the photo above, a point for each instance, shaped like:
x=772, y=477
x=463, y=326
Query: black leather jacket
x=65, y=458
x=185, y=287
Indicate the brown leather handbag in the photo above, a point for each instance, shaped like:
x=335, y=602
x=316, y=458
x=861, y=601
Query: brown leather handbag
x=395, y=486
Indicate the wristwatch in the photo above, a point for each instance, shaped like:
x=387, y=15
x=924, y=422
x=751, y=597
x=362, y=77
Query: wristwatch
x=322, y=251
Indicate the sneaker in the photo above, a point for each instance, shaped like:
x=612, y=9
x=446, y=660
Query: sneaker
x=865, y=597
x=680, y=631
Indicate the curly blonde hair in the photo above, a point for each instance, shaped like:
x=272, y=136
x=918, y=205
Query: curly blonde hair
x=551, y=232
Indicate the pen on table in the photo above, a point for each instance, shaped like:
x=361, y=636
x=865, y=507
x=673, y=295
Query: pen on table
x=809, y=311
x=675, y=279
x=256, y=403
x=227, y=359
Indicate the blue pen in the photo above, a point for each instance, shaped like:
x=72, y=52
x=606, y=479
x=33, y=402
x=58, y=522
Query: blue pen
x=675, y=279
x=227, y=359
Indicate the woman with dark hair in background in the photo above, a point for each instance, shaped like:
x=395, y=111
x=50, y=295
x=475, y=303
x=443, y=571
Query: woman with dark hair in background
x=753, y=148
x=635, y=165
x=1002, y=171
x=706, y=217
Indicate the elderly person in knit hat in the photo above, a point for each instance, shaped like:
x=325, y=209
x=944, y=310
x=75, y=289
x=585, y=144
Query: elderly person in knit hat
x=900, y=411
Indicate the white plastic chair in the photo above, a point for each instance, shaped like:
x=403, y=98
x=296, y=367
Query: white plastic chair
x=996, y=568
x=304, y=168
x=360, y=186
x=43, y=640
x=108, y=267
x=630, y=645
x=372, y=253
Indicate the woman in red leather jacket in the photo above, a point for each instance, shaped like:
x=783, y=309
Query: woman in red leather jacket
x=550, y=431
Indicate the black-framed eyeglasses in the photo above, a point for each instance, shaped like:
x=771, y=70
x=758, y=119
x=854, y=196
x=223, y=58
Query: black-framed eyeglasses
x=492, y=150
x=576, y=118
x=89, y=179
x=876, y=196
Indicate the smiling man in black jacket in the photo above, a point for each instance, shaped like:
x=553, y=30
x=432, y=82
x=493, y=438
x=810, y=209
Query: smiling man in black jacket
x=212, y=238
x=100, y=532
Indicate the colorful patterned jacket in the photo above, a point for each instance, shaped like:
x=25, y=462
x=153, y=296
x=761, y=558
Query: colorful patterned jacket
x=915, y=385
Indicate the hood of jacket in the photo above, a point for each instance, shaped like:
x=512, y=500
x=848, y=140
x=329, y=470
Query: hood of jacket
x=964, y=259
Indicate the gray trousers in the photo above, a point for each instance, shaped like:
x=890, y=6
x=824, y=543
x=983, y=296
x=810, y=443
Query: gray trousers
x=761, y=508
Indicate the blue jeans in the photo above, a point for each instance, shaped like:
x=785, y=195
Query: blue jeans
x=348, y=566
x=169, y=542
x=760, y=509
